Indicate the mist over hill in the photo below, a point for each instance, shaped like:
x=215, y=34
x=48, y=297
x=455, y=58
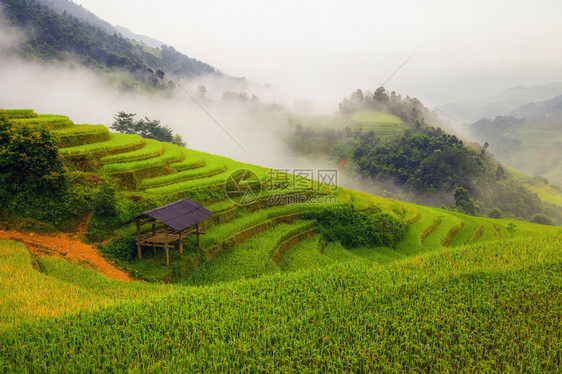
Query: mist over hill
x=549, y=111
x=502, y=103
x=151, y=42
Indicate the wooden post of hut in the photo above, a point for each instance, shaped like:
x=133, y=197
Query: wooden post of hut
x=166, y=245
x=139, y=247
x=153, y=234
x=175, y=218
x=181, y=243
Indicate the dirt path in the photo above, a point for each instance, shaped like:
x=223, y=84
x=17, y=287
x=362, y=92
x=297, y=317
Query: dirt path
x=68, y=247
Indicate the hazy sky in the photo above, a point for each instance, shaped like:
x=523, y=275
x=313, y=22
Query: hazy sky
x=327, y=48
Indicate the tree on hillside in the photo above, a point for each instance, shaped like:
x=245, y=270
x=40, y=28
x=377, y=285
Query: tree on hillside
x=464, y=202
x=427, y=162
x=381, y=95
x=105, y=214
x=230, y=96
x=33, y=181
x=29, y=162
x=542, y=219
x=147, y=128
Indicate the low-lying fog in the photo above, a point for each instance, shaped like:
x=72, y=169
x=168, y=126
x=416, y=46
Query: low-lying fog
x=230, y=129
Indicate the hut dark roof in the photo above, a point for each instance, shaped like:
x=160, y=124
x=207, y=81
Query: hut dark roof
x=178, y=215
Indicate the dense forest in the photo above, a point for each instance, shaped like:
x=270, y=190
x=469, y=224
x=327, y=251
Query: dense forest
x=55, y=37
x=427, y=162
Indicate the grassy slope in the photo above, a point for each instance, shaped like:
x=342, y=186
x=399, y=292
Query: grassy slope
x=546, y=192
x=383, y=124
x=492, y=307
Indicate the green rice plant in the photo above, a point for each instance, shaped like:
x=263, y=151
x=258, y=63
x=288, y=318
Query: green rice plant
x=546, y=193
x=171, y=152
x=214, y=167
x=497, y=232
x=414, y=215
x=217, y=180
x=493, y=307
x=430, y=229
x=293, y=237
x=249, y=259
x=51, y=121
x=47, y=286
x=221, y=233
x=116, y=143
x=371, y=116
x=476, y=234
x=19, y=113
x=451, y=234
x=190, y=160
x=81, y=134
x=188, y=165
x=305, y=255
x=152, y=148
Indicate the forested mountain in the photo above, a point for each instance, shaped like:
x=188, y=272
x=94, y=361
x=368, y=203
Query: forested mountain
x=427, y=163
x=397, y=147
x=78, y=11
x=71, y=34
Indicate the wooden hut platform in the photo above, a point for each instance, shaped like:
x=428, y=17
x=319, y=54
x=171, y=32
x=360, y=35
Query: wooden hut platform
x=178, y=219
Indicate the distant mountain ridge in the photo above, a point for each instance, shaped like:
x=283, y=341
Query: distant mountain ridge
x=59, y=30
x=139, y=38
x=78, y=11
x=549, y=111
x=83, y=14
x=501, y=104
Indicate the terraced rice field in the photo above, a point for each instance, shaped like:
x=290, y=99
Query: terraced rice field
x=152, y=148
x=267, y=293
x=19, y=113
x=171, y=153
x=117, y=143
x=167, y=172
x=51, y=121
x=383, y=124
x=77, y=135
x=208, y=170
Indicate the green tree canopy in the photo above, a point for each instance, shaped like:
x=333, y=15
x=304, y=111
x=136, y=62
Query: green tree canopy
x=33, y=181
x=463, y=201
x=29, y=161
x=147, y=128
